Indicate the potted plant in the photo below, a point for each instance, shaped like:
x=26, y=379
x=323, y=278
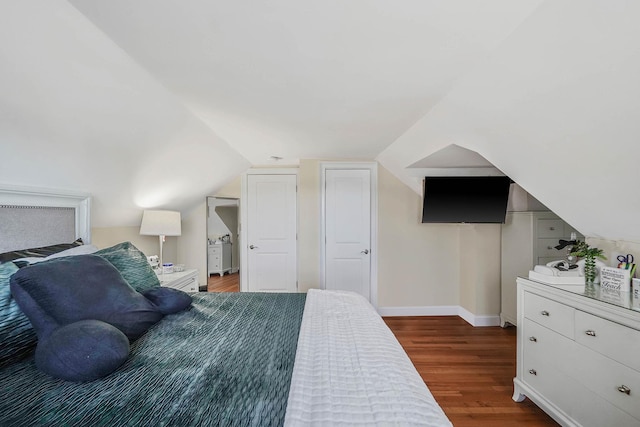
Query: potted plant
x=583, y=250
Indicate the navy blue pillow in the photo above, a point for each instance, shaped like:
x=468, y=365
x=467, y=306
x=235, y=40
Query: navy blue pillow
x=168, y=300
x=82, y=351
x=85, y=287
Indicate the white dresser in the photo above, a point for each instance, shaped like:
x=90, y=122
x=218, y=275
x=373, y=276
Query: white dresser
x=528, y=239
x=578, y=355
x=219, y=258
x=186, y=280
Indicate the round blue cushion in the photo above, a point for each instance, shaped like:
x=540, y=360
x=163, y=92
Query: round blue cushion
x=82, y=351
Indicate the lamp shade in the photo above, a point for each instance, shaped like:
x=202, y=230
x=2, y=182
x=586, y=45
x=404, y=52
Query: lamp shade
x=161, y=223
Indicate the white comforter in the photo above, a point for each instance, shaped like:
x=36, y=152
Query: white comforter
x=351, y=370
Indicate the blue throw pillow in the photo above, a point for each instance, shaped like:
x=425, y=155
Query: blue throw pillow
x=132, y=264
x=85, y=287
x=168, y=300
x=17, y=337
x=82, y=351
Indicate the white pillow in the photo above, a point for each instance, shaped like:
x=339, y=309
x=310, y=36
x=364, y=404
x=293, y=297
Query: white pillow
x=78, y=250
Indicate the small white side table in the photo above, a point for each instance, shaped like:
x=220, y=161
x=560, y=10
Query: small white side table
x=186, y=280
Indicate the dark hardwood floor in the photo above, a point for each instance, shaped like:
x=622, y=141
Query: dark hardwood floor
x=468, y=370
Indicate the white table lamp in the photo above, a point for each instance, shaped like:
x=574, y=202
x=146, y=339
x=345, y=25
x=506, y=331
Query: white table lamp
x=161, y=224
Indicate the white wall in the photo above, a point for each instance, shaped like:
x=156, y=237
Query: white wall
x=479, y=265
x=104, y=237
x=613, y=248
x=417, y=263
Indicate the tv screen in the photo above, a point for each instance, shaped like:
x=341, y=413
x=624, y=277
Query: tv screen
x=460, y=199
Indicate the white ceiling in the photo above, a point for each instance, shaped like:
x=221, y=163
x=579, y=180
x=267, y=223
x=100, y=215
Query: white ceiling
x=307, y=79
x=161, y=102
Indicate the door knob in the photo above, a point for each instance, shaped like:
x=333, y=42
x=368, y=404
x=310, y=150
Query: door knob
x=366, y=251
x=253, y=247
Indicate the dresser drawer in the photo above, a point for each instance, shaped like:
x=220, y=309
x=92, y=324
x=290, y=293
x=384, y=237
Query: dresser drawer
x=215, y=250
x=188, y=285
x=611, y=380
x=609, y=338
x=591, y=410
x=551, y=314
x=554, y=384
x=550, y=228
x=546, y=248
x=548, y=344
x=186, y=281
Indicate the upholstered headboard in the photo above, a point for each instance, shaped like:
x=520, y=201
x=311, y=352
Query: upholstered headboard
x=33, y=217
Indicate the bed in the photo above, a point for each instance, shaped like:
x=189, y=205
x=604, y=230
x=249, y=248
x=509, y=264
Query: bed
x=321, y=358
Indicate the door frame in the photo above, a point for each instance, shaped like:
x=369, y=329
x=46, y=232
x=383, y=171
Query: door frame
x=236, y=232
x=372, y=167
x=244, y=250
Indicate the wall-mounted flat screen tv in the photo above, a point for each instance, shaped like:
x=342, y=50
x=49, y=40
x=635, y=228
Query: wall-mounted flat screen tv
x=465, y=199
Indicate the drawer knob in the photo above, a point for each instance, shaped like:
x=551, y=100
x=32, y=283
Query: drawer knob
x=552, y=228
x=549, y=247
x=590, y=333
x=624, y=389
x=545, y=313
x=533, y=339
x=533, y=372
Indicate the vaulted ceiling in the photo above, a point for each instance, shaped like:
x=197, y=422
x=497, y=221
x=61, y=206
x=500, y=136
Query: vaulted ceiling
x=157, y=103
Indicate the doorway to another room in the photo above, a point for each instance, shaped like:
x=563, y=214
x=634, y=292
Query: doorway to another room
x=223, y=260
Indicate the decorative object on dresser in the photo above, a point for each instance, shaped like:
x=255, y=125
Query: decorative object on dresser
x=161, y=224
x=528, y=239
x=219, y=258
x=583, y=250
x=577, y=354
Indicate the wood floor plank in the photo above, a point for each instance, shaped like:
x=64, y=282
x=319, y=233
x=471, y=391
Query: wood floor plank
x=226, y=283
x=468, y=370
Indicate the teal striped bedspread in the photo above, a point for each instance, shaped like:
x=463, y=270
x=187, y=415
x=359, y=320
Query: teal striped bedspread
x=226, y=361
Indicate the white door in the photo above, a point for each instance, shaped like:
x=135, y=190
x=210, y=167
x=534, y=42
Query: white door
x=348, y=230
x=271, y=233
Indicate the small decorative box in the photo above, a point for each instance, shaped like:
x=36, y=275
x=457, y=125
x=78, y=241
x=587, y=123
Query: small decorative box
x=615, y=279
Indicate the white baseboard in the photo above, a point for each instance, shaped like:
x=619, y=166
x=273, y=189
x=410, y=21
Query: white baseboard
x=435, y=310
x=476, y=320
x=441, y=310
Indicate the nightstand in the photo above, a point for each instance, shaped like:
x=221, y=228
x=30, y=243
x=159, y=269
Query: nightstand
x=186, y=280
